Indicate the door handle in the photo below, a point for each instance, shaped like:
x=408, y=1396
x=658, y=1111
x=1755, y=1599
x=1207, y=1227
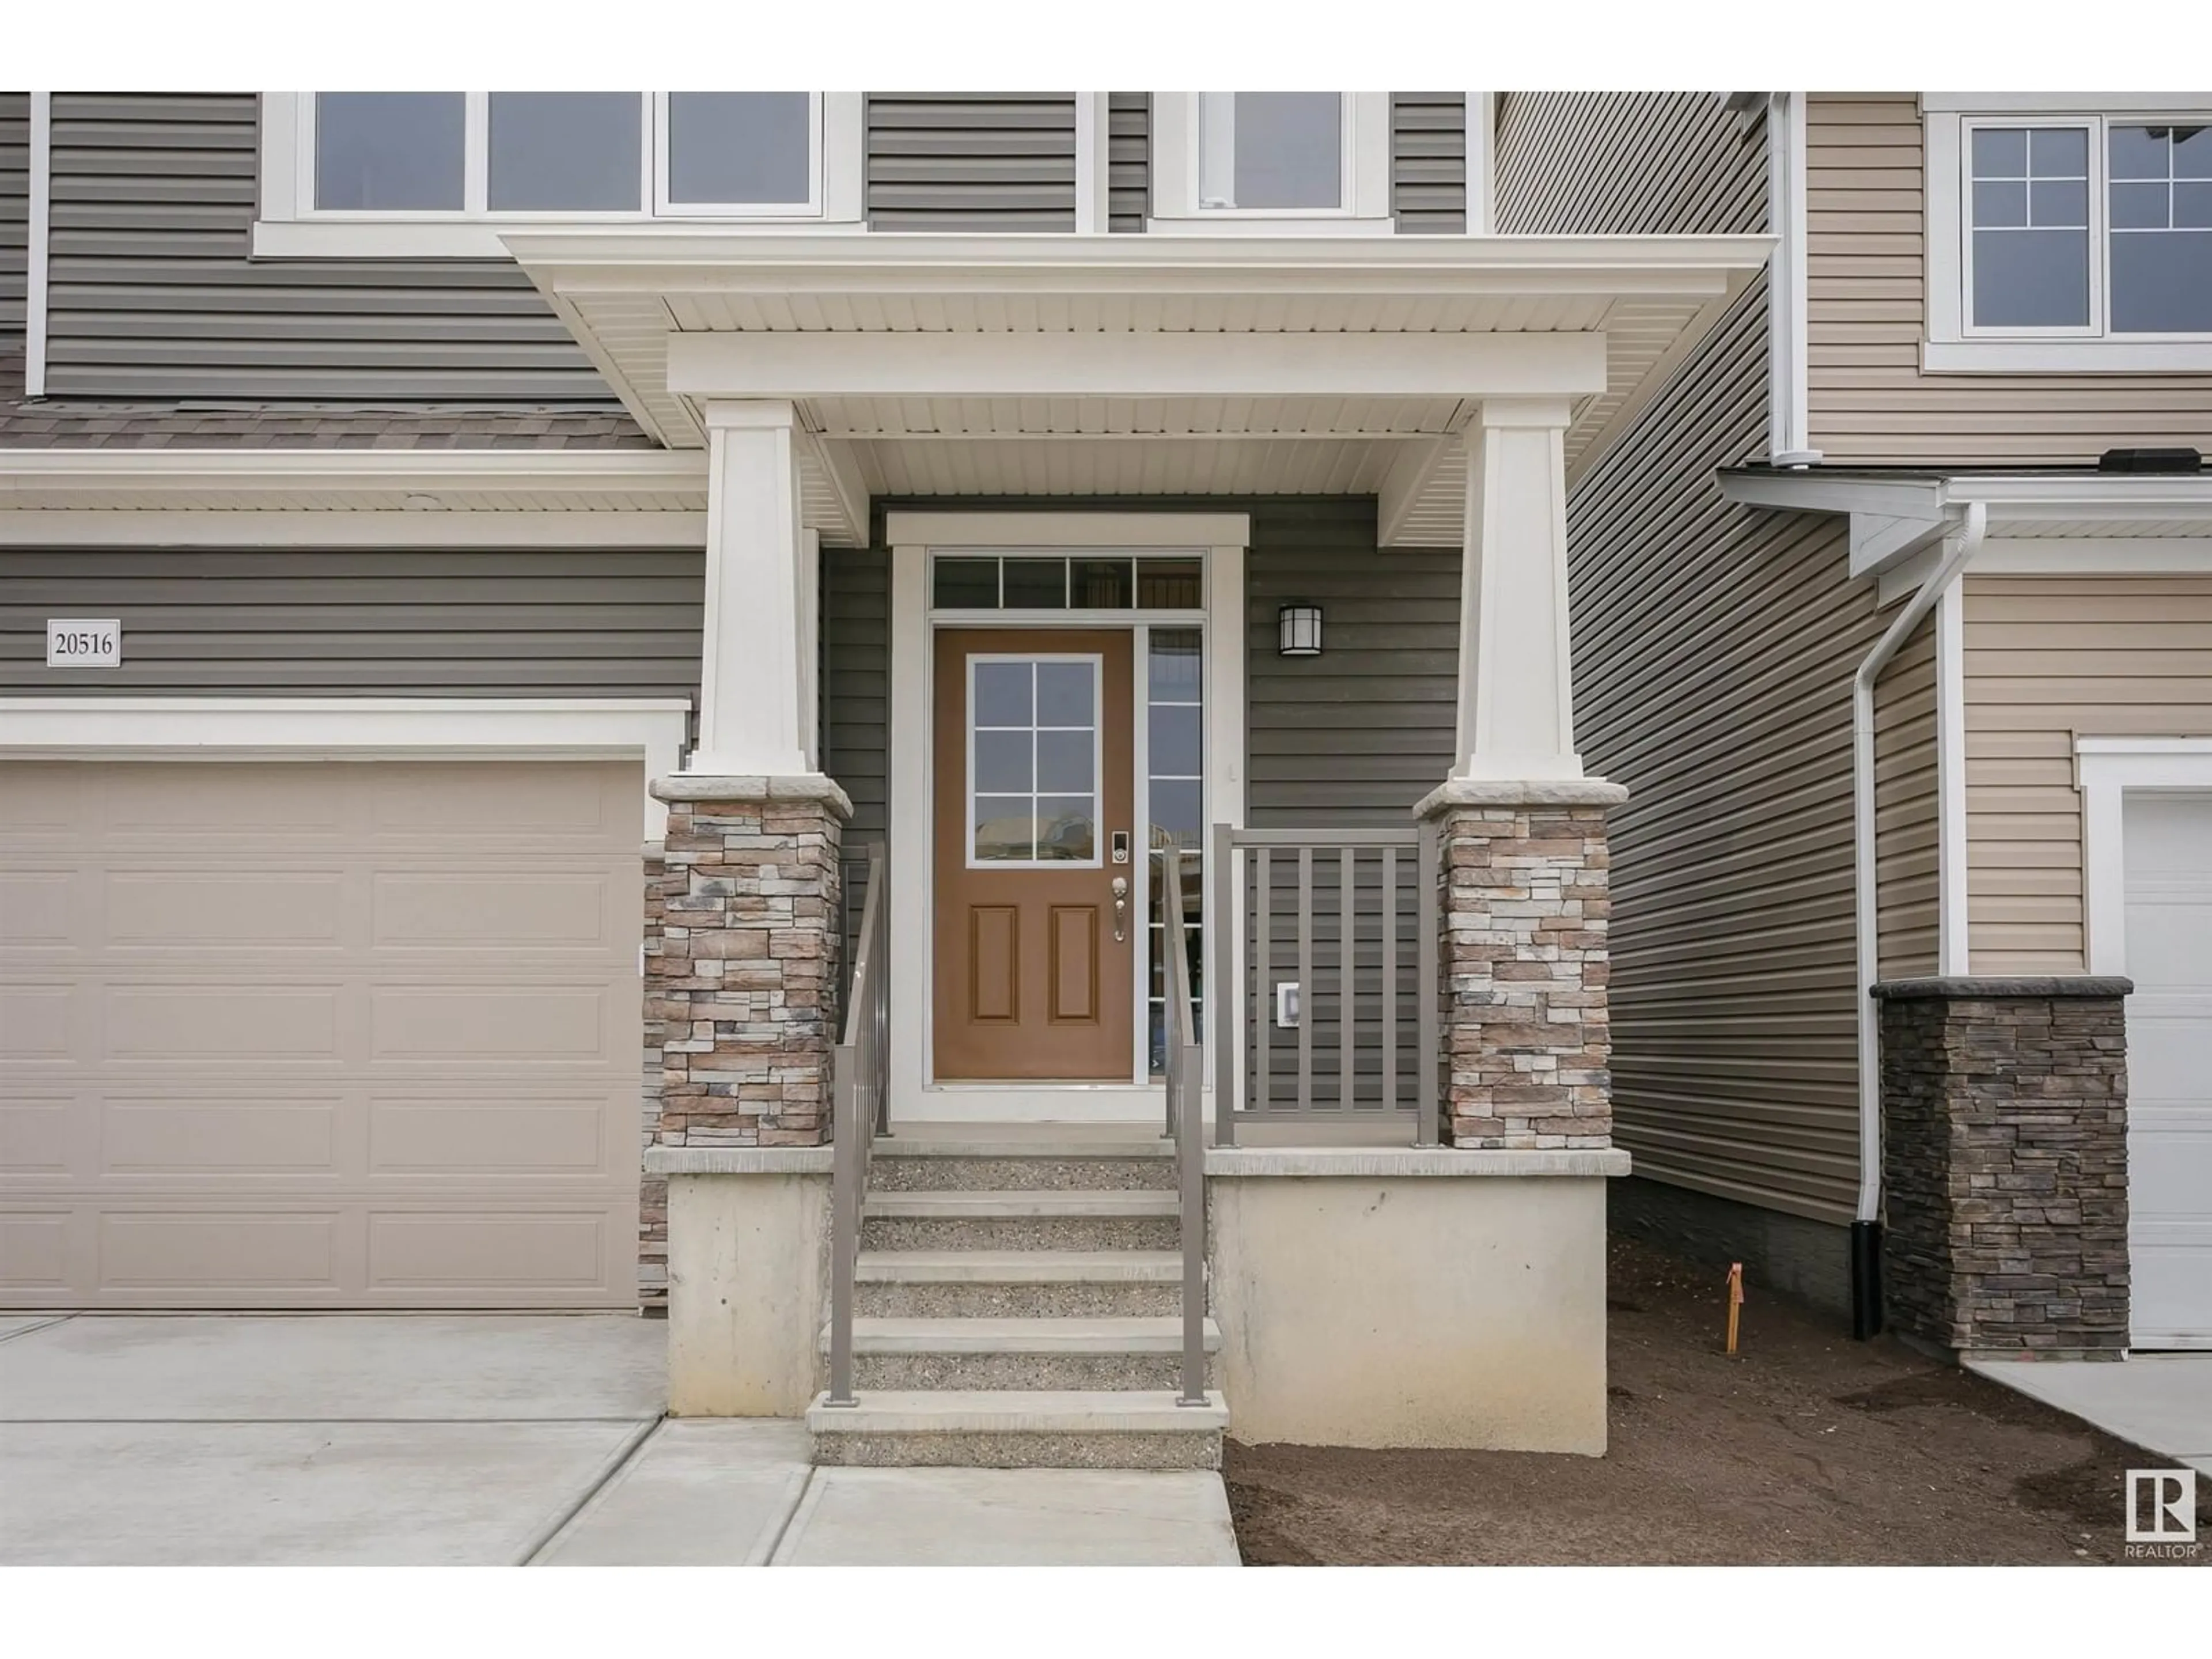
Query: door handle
x=1121, y=909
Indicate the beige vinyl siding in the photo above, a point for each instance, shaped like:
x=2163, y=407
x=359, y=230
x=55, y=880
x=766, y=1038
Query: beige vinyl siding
x=1627, y=163
x=1907, y=810
x=1871, y=402
x=1129, y=160
x=2049, y=658
x=971, y=161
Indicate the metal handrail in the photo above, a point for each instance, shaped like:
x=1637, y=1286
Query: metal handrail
x=1186, y=1069
x=860, y=1091
x=1244, y=863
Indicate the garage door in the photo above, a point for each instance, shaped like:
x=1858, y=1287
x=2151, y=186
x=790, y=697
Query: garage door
x=318, y=1035
x=2169, y=945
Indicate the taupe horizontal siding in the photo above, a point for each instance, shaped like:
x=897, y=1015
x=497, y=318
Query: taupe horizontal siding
x=153, y=293
x=1866, y=316
x=1428, y=161
x=971, y=161
x=1129, y=160
x=1627, y=163
x=2049, y=658
x=429, y=623
x=1714, y=649
x=1907, y=810
x=14, y=221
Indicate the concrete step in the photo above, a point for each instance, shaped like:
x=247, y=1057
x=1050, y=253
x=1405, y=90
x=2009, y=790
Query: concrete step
x=1052, y=1354
x=1020, y=1219
x=989, y=1166
x=1021, y=1429
x=1018, y=1284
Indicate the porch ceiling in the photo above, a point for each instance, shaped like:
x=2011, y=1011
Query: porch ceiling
x=627, y=296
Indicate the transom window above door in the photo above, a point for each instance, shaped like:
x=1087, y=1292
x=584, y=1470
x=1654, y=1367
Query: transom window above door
x=432, y=172
x=1032, y=581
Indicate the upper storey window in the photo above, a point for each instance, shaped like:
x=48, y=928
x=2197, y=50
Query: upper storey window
x=1293, y=162
x=2063, y=239
x=430, y=172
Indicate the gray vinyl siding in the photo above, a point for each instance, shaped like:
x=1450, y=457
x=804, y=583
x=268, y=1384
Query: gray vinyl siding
x=1627, y=163
x=971, y=161
x=153, y=293
x=1428, y=161
x=14, y=229
x=1129, y=160
x=429, y=623
x=1714, y=648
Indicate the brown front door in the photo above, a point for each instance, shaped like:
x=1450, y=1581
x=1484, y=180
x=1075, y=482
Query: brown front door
x=1033, y=780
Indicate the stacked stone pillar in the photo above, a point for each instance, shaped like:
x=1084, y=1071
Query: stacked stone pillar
x=1524, y=914
x=2005, y=1165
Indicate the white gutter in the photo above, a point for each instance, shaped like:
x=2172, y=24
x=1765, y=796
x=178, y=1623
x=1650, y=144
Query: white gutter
x=1957, y=550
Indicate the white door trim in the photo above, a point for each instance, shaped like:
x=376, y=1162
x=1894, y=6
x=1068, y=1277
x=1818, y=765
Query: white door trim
x=648, y=729
x=1222, y=539
x=2106, y=768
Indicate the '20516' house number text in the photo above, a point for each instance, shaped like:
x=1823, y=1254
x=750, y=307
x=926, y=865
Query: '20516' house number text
x=84, y=642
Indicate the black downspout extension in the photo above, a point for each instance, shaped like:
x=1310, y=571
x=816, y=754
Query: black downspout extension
x=1866, y=1280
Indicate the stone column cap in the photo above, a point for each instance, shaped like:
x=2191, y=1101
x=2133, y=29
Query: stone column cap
x=754, y=787
x=1960, y=987
x=1455, y=793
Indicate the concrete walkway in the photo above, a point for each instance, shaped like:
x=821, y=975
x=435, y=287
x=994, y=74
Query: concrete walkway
x=2160, y=1401
x=487, y=1439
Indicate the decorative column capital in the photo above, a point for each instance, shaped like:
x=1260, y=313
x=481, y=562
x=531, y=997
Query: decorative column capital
x=1495, y=412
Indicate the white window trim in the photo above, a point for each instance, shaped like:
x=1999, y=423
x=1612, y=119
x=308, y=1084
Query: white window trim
x=38, y=215
x=1097, y=666
x=1176, y=117
x=647, y=729
x=2105, y=769
x=1222, y=539
x=1954, y=346
x=289, y=227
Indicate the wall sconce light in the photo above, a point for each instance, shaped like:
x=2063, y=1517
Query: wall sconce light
x=1301, y=630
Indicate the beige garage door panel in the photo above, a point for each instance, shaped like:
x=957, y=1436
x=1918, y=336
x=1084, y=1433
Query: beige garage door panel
x=318, y=1035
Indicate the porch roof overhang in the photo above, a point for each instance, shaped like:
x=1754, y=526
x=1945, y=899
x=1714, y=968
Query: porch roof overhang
x=1135, y=365
x=1895, y=515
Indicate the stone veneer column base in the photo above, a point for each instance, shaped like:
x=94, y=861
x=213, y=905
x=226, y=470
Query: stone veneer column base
x=1524, y=914
x=2005, y=1165
x=741, y=943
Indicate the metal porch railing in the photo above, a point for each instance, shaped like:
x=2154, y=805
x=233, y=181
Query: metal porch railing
x=1185, y=1111
x=1328, y=1010
x=860, y=1093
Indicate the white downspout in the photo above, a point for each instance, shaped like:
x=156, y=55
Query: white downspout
x=1957, y=550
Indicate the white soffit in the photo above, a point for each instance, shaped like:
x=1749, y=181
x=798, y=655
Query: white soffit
x=626, y=293
x=1893, y=517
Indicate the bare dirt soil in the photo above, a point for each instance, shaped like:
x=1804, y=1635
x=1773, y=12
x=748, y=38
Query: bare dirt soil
x=1806, y=1448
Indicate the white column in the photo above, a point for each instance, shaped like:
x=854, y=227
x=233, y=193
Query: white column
x=1516, y=699
x=754, y=675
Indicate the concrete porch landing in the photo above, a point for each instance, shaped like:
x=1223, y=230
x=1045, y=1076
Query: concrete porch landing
x=2160, y=1401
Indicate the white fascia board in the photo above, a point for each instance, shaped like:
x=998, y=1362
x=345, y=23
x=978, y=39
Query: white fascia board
x=735, y=261
x=829, y=365
x=2111, y=496
x=1812, y=491
x=230, y=471
x=141, y=526
x=648, y=729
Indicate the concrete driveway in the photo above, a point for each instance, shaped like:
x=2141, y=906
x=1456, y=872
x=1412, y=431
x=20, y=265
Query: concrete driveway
x=485, y=1440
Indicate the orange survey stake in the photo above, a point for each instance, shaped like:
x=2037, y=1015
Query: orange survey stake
x=1736, y=1300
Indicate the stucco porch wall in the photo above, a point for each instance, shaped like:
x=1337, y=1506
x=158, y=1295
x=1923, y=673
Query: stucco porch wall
x=1404, y=1297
